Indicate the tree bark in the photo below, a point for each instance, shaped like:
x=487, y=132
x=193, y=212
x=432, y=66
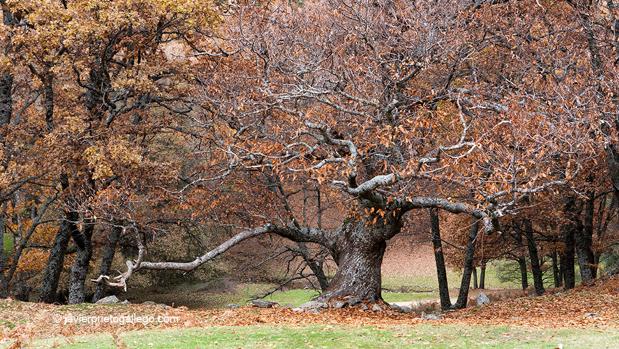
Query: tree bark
x=536, y=270
x=6, y=98
x=48, y=92
x=4, y=285
x=567, y=260
x=55, y=261
x=465, y=283
x=106, y=261
x=79, y=270
x=524, y=278
x=482, y=276
x=556, y=272
x=439, y=258
x=359, y=252
x=584, y=241
x=315, y=266
x=574, y=224
x=6, y=78
x=522, y=261
x=474, y=277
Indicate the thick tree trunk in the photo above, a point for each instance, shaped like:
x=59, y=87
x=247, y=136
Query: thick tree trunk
x=524, y=278
x=536, y=270
x=439, y=258
x=79, y=270
x=106, y=261
x=584, y=240
x=482, y=276
x=358, y=252
x=556, y=272
x=463, y=295
x=55, y=261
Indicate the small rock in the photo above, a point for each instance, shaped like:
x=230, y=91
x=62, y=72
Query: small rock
x=149, y=303
x=482, y=299
x=339, y=304
x=259, y=303
x=125, y=302
x=591, y=315
x=363, y=306
x=401, y=308
x=313, y=305
x=108, y=300
x=431, y=316
x=233, y=306
x=406, y=309
x=376, y=307
x=297, y=310
x=164, y=306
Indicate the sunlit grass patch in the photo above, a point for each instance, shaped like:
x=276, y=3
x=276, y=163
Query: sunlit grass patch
x=321, y=336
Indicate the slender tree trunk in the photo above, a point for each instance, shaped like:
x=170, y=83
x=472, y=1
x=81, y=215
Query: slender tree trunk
x=316, y=267
x=319, y=272
x=439, y=258
x=6, y=98
x=48, y=92
x=584, y=240
x=106, y=261
x=6, y=78
x=556, y=272
x=524, y=277
x=482, y=276
x=79, y=270
x=359, y=252
x=463, y=295
x=6, y=112
x=522, y=261
x=536, y=270
x=55, y=261
x=474, y=276
x=4, y=287
x=571, y=229
x=567, y=260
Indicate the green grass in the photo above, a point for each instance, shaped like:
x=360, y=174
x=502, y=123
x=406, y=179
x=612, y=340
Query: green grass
x=300, y=296
x=390, y=297
x=193, y=297
x=292, y=297
x=8, y=243
x=421, y=336
x=98, y=341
